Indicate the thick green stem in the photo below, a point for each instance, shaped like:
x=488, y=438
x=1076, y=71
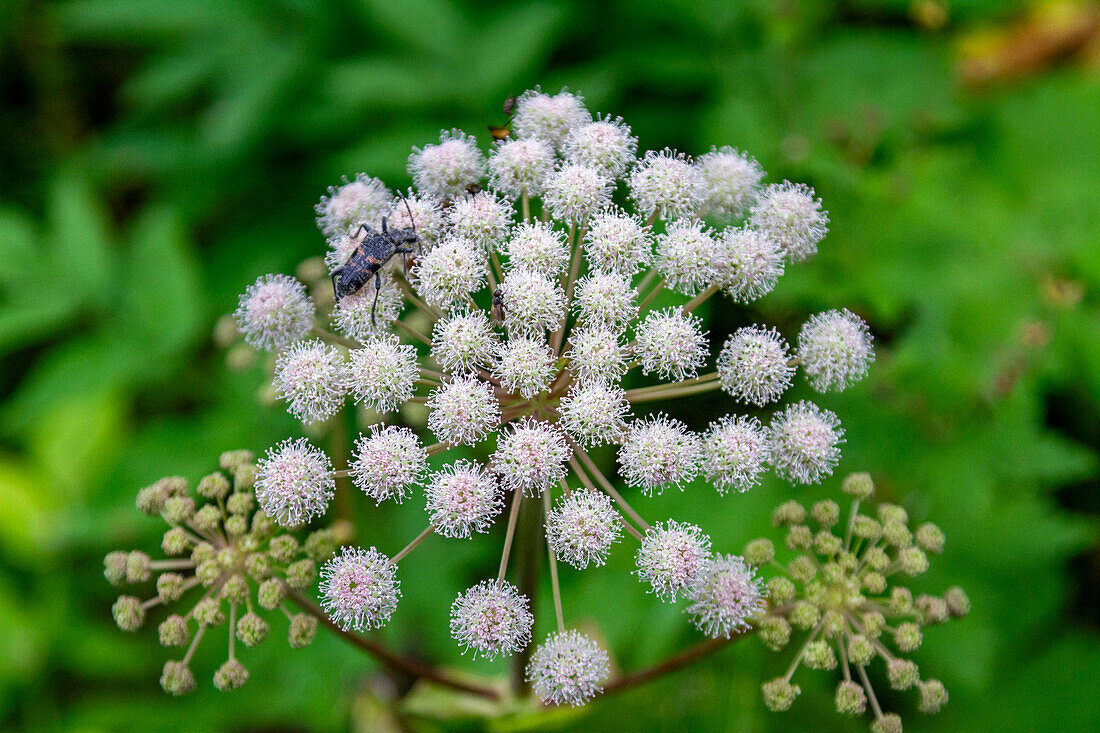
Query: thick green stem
x=529, y=550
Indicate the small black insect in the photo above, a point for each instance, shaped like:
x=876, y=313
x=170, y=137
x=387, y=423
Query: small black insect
x=375, y=250
x=496, y=311
x=510, y=105
x=473, y=188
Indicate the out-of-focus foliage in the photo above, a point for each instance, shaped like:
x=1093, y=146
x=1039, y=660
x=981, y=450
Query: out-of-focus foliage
x=158, y=155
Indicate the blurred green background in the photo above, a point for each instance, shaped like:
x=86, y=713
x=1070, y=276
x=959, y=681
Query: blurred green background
x=158, y=155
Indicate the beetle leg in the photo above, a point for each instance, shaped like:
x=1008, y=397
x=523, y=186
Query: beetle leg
x=383, y=225
x=335, y=295
x=377, y=289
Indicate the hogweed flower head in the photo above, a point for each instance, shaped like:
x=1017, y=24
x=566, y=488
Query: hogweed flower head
x=835, y=349
x=444, y=170
x=462, y=342
x=753, y=365
x=576, y=192
x=595, y=413
x=294, y=482
x=667, y=184
x=672, y=558
x=537, y=247
x=568, y=668
x=463, y=498
x=360, y=317
x=548, y=117
x=582, y=528
x=790, y=214
x=492, y=618
x=617, y=242
x=521, y=167
x=747, y=263
x=671, y=343
x=482, y=219
x=533, y=303
x=805, y=443
x=382, y=374
x=388, y=463
x=733, y=179
x=605, y=300
x=530, y=456
x=359, y=588
x=448, y=273
x=312, y=378
x=736, y=452
x=726, y=597
x=362, y=201
x=685, y=256
x=274, y=312
x=658, y=452
x=603, y=144
x=463, y=410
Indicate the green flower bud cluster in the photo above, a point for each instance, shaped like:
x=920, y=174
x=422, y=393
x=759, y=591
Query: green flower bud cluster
x=841, y=588
x=229, y=557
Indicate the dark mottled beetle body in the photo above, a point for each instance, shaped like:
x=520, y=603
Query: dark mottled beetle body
x=367, y=259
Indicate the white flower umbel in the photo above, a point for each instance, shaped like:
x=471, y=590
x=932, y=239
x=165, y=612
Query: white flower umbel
x=462, y=342
x=671, y=343
x=483, y=219
x=312, y=378
x=388, y=463
x=463, y=410
x=594, y=413
x=530, y=456
x=753, y=365
x=444, y=170
x=747, y=263
x=666, y=183
x=538, y=247
x=617, y=242
x=352, y=315
x=672, y=556
x=836, y=350
x=549, y=118
x=447, y=274
x=658, y=452
x=359, y=589
x=518, y=167
x=576, y=192
x=805, y=443
x=736, y=451
x=790, y=214
x=421, y=212
x=685, y=256
x=726, y=597
x=603, y=144
x=274, y=312
x=524, y=365
x=491, y=619
x=463, y=498
x=567, y=668
x=294, y=482
x=733, y=179
x=383, y=373
x=605, y=300
x=596, y=354
x=582, y=528
x=362, y=201
x=533, y=303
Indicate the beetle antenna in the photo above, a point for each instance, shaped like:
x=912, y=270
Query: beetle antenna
x=411, y=220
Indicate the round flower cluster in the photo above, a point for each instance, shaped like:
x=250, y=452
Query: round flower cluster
x=842, y=587
x=230, y=559
x=538, y=315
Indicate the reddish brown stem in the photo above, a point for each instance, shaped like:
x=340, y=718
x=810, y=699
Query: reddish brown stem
x=673, y=663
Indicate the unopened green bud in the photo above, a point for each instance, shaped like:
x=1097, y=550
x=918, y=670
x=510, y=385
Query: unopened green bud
x=228, y=557
x=847, y=561
x=819, y=655
x=932, y=610
x=176, y=541
x=759, y=552
x=230, y=676
x=176, y=679
x=208, y=518
x=263, y=526
x=208, y=612
x=137, y=567
x=888, y=723
x=826, y=513
x=930, y=538
x=817, y=593
x=203, y=552
x=901, y=601
x=799, y=537
x=240, y=503
x=272, y=592
x=128, y=613
x=300, y=575
x=788, y=513
x=832, y=623
x=214, y=486
x=240, y=357
x=912, y=561
x=283, y=548
x=873, y=624
x=832, y=573
x=302, y=630
x=251, y=629
x=892, y=513
x=235, y=589
x=874, y=582
x=958, y=604
x=179, y=509
x=233, y=458
x=802, y=569
x=321, y=545
x=258, y=565
x=933, y=696
x=860, y=649
x=850, y=698
x=114, y=567
x=896, y=534
x=775, y=632
x=779, y=694
x=826, y=543
x=781, y=590
x=174, y=485
x=173, y=631
x=150, y=500
x=858, y=485
x=244, y=478
x=804, y=615
x=867, y=528
x=170, y=587
x=236, y=525
x=876, y=559
x=902, y=674
x=208, y=573
x=908, y=637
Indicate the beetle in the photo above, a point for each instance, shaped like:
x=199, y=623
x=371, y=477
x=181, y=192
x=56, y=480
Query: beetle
x=496, y=310
x=375, y=250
